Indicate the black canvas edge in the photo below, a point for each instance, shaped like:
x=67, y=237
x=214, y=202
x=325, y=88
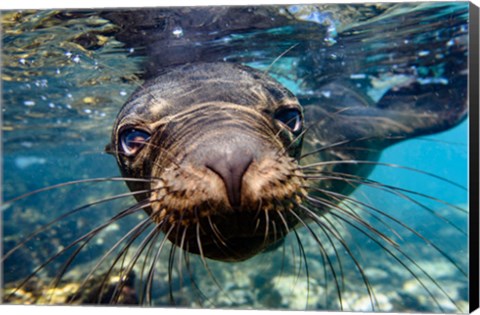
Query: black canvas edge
x=474, y=135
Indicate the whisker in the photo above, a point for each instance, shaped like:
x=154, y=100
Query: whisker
x=379, y=185
x=67, y=264
x=203, y=259
x=307, y=129
x=337, y=254
x=267, y=224
x=283, y=234
x=277, y=59
x=149, y=282
x=171, y=259
x=303, y=256
x=217, y=233
x=397, y=221
x=284, y=151
x=284, y=221
x=192, y=280
x=86, y=237
x=275, y=232
x=122, y=275
x=60, y=218
x=132, y=235
x=180, y=255
x=405, y=266
x=153, y=234
x=355, y=218
x=342, y=143
x=7, y=203
x=324, y=252
x=340, y=198
x=165, y=153
x=397, y=248
x=345, y=245
x=397, y=191
x=322, y=249
x=146, y=258
x=392, y=165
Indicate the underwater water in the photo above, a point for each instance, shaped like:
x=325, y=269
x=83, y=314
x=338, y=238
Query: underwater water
x=65, y=75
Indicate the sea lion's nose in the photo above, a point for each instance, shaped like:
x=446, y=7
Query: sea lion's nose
x=230, y=166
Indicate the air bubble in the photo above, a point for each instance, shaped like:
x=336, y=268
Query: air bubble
x=177, y=31
x=327, y=94
x=29, y=103
x=357, y=76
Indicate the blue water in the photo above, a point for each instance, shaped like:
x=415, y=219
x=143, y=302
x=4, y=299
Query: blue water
x=444, y=155
x=60, y=100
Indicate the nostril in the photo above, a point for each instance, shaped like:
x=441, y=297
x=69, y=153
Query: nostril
x=231, y=168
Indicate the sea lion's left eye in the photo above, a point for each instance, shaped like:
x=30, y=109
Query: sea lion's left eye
x=291, y=117
x=132, y=140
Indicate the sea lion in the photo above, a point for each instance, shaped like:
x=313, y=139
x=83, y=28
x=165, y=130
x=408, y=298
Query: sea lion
x=221, y=144
x=229, y=162
x=202, y=143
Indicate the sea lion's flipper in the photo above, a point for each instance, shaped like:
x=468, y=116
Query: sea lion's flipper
x=346, y=125
x=346, y=114
x=427, y=108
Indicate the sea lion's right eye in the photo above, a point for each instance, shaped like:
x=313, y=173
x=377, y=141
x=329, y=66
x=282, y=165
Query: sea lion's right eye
x=132, y=140
x=290, y=117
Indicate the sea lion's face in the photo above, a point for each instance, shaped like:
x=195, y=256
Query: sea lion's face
x=220, y=153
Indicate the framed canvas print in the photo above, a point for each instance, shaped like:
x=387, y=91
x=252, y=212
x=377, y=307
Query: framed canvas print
x=272, y=157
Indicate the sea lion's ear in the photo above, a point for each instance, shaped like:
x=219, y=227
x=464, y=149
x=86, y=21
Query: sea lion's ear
x=108, y=149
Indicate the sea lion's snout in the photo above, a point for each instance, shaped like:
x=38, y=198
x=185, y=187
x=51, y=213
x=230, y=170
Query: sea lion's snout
x=230, y=162
x=230, y=177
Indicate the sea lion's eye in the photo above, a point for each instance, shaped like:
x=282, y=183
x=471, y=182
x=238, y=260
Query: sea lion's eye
x=132, y=140
x=290, y=117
